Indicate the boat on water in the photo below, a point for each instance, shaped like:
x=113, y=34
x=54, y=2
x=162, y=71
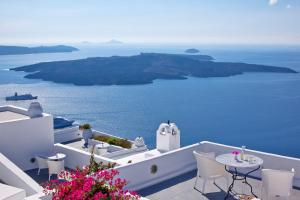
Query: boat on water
x=61, y=122
x=17, y=97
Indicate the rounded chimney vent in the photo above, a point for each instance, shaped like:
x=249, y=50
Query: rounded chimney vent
x=35, y=110
x=139, y=142
x=167, y=137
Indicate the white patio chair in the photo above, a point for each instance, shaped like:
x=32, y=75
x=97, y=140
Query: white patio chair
x=277, y=183
x=42, y=163
x=55, y=167
x=209, y=169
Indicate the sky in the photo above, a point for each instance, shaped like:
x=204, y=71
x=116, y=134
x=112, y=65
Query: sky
x=150, y=21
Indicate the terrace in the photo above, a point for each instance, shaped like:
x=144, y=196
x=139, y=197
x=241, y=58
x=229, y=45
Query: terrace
x=181, y=187
x=176, y=181
x=117, y=153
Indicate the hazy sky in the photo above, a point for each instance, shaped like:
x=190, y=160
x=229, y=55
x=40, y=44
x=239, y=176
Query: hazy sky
x=167, y=21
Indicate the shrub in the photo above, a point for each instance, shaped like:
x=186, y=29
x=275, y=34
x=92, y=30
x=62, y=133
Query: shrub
x=94, y=182
x=113, y=141
x=85, y=126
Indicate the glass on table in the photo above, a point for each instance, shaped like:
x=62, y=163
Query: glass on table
x=252, y=160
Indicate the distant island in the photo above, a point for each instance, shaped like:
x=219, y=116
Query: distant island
x=16, y=50
x=109, y=42
x=113, y=41
x=139, y=69
x=191, y=51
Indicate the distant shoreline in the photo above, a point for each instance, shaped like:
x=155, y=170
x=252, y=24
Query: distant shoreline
x=20, y=50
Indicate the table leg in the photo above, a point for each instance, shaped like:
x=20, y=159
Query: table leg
x=234, y=176
x=245, y=180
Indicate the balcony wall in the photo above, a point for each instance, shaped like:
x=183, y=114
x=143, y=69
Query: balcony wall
x=169, y=165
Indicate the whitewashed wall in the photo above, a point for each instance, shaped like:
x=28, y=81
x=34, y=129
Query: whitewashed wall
x=14, y=176
x=67, y=134
x=169, y=165
x=21, y=140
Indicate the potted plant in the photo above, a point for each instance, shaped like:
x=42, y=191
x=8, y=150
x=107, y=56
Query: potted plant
x=86, y=133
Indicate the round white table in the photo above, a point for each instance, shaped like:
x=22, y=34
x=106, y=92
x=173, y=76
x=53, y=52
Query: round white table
x=235, y=162
x=58, y=156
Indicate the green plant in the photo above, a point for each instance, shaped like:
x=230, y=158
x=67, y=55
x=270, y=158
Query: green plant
x=113, y=141
x=85, y=127
x=94, y=166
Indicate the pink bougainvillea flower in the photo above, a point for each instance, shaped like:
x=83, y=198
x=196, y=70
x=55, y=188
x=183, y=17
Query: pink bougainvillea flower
x=81, y=185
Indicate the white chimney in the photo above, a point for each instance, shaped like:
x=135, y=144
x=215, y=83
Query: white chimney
x=167, y=137
x=35, y=110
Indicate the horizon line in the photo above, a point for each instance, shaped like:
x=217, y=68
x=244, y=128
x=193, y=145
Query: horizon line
x=89, y=43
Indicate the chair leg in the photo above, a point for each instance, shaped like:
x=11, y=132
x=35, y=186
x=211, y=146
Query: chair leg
x=49, y=176
x=267, y=197
x=227, y=182
x=203, y=186
x=196, y=182
x=39, y=171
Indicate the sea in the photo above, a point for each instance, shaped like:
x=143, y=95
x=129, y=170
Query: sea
x=259, y=110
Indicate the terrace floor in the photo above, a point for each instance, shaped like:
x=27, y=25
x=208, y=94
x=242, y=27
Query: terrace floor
x=77, y=144
x=43, y=176
x=182, y=187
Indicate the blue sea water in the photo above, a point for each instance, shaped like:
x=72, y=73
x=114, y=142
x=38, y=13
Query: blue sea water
x=259, y=110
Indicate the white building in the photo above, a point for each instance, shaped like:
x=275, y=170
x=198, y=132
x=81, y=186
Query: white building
x=23, y=137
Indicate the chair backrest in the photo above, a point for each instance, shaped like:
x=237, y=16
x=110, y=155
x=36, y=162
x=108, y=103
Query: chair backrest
x=207, y=165
x=277, y=182
x=42, y=162
x=55, y=167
